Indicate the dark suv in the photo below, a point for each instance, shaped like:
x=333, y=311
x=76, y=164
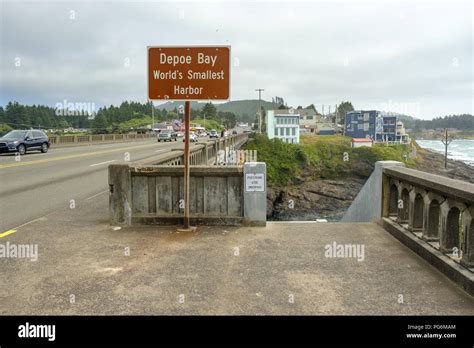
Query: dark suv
x=24, y=140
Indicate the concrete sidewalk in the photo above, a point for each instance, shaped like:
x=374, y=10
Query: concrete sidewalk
x=83, y=268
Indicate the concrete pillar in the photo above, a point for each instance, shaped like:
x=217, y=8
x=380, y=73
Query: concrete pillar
x=416, y=211
x=432, y=216
x=120, y=194
x=449, y=232
x=255, y=193
x=404, y=197
x=467, y=257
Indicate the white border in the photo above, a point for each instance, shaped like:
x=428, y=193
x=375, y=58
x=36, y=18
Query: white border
x=190, y=46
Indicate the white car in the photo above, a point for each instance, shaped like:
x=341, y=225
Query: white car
x=192, y=138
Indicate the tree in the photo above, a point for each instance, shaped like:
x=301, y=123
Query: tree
x=282, y=107
x=100, y=123
x=228, y=119
x=311, y=107
x=342, y=108
x=210, y=111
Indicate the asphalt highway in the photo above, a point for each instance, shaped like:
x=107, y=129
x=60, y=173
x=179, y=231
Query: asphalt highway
x=39, y=184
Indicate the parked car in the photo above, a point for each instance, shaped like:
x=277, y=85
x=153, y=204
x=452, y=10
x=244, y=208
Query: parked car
x=202, y=134
x=22, y=141
x=167, y=135
x=213, y=134
x=180, y=134
x=192, y=138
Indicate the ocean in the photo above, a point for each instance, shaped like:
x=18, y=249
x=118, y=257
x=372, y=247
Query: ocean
x=461, y=150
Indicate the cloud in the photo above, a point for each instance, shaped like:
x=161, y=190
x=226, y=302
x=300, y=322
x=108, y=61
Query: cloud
x=368, y=52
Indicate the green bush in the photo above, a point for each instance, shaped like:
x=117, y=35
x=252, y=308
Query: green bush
x=4, y=129
x=322, y=157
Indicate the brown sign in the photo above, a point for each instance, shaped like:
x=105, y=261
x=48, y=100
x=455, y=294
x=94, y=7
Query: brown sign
x=189, y=73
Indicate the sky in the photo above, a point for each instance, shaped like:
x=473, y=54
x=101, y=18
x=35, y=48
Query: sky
x=412, y=57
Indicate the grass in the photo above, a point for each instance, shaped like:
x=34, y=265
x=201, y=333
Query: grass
x=322, y=157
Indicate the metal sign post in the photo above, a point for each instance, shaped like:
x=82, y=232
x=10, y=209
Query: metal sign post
x=187, y=119
x=188, y=73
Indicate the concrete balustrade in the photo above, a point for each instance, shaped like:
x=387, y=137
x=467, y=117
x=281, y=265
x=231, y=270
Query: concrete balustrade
x=95, y=138
x=204, y=153
x=151, y=190
x=438, y=208
x=234, y=141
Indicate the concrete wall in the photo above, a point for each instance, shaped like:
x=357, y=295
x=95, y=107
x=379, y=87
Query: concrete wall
x=152, y=191
x=154, y=195
x=367, y=206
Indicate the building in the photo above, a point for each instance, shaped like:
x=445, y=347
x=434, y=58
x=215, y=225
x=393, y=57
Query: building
x=308, y=118
x=284, y=125
x=325, y=128
x=361, y=124
x=375, y=125
x=359, y=142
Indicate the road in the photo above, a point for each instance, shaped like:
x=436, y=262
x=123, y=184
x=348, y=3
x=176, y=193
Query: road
x=40, y=183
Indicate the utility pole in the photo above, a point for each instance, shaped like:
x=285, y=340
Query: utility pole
x=446, y=141
x=152, y=118
x=337, y=125
x=259, y=90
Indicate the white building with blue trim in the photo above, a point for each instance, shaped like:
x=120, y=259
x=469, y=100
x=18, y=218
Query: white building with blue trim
x=284, y=125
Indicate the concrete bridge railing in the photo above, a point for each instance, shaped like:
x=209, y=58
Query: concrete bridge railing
x=439, y=210
x=430, y=214
x=151, y=191
x=95, y=138
x=205, y=153
x=154, y=194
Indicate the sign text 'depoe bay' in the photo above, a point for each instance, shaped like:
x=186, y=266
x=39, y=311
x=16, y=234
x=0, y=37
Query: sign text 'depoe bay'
x=189, y=73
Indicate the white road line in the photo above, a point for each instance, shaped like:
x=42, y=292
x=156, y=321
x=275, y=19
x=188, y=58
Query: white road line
x=97, y=195
x=162, y=150
x=98, y=164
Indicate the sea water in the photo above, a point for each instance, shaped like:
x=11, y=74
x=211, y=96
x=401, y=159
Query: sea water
x=459, y=149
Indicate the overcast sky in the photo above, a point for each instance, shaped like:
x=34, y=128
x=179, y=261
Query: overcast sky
x=413, y=57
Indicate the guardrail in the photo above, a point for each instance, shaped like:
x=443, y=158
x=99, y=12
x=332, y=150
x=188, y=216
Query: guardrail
x=95, y=138
x=436, y=209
